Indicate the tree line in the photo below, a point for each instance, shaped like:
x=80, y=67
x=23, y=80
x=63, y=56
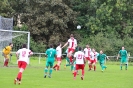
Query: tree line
x=105, y=24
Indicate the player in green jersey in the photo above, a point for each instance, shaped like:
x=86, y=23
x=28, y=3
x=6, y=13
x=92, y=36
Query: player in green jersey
x=124, y=58
x=101, y=58
x=51, y=54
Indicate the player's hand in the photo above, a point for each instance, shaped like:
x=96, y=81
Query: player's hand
x=10, y=54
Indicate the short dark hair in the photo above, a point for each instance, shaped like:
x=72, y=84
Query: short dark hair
x=24, y=46
x=10, y=44
x=58, y=43
x=71, y=35
x=80, y=48
x=51, y=46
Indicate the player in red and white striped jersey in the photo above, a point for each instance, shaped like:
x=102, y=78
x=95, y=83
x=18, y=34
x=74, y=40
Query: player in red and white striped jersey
x=23, y=59
x=87, y=52
x=93, y=59
x=79, y=57
x=72, y=44
x=58, y=56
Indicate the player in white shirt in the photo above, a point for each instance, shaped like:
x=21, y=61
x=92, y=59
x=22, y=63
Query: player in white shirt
x=58, y=57
x=72, y=44
x=23, y=59
x=87, y=52
x=80, y=62
x=93, y=59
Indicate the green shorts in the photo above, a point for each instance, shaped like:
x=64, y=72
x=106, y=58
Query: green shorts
x=49, y=63
x=101, y=62
x=123, y=60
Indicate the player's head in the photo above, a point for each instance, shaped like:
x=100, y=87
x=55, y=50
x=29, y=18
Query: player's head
x=71, y=36
x=87, y=46
x=123, y=47
x=24, y=46
x=80, y=48
x=51, y=46
x=101, y=51
x=11, y=44
x=59, y=44
x=93, y=50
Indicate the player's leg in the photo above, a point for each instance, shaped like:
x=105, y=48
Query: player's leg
x=94, y=65
x=51, y=70
x=75, y=72
x=46, y=69
x=82, y=68
x=70, y=56
x=126, y=64
x=102, y=65
x=68, y=60
x=90, y=65
x=56, y=65
x=73, y=69
x=22, y=66
x=59, y=63
x=6, y=60
x=121, y=64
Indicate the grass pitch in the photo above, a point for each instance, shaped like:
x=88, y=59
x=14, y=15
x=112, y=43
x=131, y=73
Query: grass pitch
x=113, y=77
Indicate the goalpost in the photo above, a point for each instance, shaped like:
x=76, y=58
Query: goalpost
x=16, y=37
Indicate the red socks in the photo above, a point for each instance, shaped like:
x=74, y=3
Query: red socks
x=90, y=66
x=75, y=73
x=6, y=63
x=19, y=76
x=94, y=68
x=83, y=72
x=71, y=59
x=56, y=66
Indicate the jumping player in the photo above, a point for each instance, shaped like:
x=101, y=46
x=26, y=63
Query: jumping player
x=80, y=62
x=51, y=54
x=58, y=57
x=23, y=59
x=124, y=58
x=6, y=52
x=87, y=52
x=72, y=44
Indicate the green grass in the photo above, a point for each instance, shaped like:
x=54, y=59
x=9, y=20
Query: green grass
x=113, y=77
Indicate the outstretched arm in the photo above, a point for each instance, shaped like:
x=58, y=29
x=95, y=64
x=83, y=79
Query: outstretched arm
x=65, y=44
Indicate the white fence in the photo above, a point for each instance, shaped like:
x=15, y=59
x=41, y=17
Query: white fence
x=41, y=55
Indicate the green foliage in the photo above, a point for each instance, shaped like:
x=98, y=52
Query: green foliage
x=34, y=46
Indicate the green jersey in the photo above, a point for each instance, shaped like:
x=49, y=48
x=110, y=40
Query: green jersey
x=50, y=54
x=123, y=54
x=101, y=57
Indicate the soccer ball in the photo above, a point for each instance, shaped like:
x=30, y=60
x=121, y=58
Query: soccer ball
x=78, y=27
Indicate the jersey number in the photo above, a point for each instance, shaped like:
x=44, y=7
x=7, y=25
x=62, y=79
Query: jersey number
x=23, y=53
x=80, y=56
x=50, y=54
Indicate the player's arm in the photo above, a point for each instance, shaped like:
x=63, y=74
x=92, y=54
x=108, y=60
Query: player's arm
x=17, y=55
x=84, y=60
x=65, y=44
x=118, y=56
x=30, y=53
x=107, y=58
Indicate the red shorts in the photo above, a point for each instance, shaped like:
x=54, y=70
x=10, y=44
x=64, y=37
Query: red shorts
x=80, y=66
x=71, y=50
x=22, y=64
x=92, y=61
x=58, y=58
x=87, y=58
